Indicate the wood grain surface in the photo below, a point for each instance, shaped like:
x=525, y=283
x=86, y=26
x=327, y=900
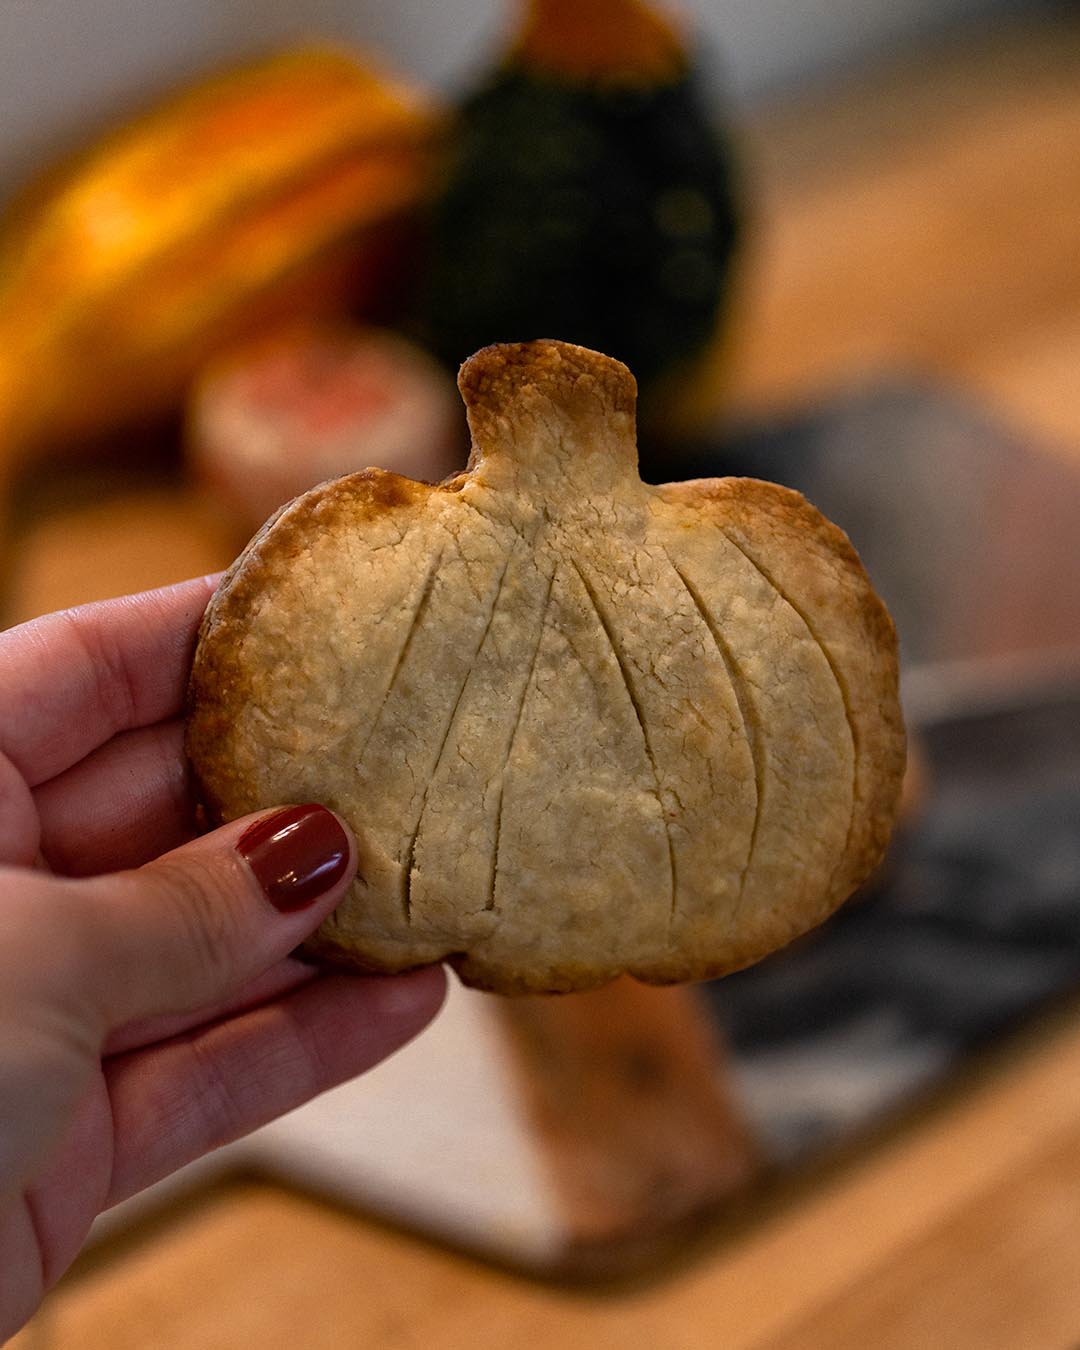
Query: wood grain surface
x=922, y=218
x=960, y=1230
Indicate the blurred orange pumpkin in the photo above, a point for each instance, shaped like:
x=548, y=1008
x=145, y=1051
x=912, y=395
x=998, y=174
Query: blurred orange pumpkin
x=277, y=188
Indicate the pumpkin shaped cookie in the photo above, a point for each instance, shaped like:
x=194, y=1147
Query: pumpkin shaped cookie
x=580, y=725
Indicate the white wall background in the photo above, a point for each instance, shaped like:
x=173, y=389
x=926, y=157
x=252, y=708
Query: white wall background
x=68, y=65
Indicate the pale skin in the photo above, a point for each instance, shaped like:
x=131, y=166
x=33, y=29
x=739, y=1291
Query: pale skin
x=149, y=1007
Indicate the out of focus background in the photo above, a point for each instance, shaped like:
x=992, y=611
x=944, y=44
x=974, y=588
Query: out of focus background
x=243, y=248
x=62, y=70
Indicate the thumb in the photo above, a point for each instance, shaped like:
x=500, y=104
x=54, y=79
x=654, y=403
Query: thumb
x=190, y=928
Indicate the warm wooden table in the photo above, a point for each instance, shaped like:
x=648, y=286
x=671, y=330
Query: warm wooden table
x=924, y=218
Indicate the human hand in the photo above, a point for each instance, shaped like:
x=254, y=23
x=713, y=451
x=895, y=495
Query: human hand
x=149, y=1008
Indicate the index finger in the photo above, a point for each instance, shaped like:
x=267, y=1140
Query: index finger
x=70, y=681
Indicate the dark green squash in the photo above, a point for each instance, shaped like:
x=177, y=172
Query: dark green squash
x=589, y=196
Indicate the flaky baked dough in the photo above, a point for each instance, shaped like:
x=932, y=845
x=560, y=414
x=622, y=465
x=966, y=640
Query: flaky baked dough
x=580, y=725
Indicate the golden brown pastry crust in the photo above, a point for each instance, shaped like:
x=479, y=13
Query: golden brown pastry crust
x=580, y=725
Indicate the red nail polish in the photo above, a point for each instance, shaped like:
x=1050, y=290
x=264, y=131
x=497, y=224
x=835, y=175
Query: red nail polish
x=297, y=854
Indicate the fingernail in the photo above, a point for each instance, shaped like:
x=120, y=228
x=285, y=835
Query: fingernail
x=297, y=854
